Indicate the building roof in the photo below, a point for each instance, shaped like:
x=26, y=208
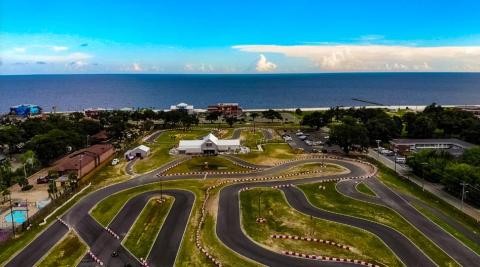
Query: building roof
x=186, y=144
x=86, y=155
x=452, y=141
x=143, y=147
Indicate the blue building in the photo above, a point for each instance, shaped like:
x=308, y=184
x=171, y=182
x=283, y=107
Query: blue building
x=25, y=110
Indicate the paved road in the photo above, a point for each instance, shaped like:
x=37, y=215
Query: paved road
x=445, y=241
x=348, y=188
x=228, y=224
x=230, y=232
x=409, y=254
x=236, y=133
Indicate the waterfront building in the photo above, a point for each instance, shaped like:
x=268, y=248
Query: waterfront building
x=209, y=145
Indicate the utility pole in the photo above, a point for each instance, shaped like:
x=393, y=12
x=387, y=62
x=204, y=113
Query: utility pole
x=378, y=148
x=423, y=174
x=395, y=160
x=463, y=192
x=161, y=190
x=259, y=204
x=26, y=205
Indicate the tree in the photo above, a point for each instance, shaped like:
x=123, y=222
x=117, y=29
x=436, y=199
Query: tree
x=254, y=115
x=72, y=181
x=472, y=156
x=188, y=120
x=271, y=115
x=213, y=116
x=5, y=193
x=315, y=119
x=349, y=134
x=423, y=127
x=54, y=144
x=231, y=121
x=298, y=111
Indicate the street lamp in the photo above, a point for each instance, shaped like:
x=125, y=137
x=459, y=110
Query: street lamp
x=463, y=192
x=378, y=148
x=395, y=160
x=259, y=202
x=423, y=174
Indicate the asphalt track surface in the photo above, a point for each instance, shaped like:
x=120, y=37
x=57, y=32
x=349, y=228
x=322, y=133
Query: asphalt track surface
x=228, y=222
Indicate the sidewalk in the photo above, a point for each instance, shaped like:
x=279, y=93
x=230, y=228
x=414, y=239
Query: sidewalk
x=433, y=188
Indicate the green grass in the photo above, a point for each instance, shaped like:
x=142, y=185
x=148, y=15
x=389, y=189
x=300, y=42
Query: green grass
x=390, y=178
x=330, y=199
x=251, y=139
x=450, y=229
x=188, y=254
x=363, y=188
x=66, y=253
x=197, y=164
x=272, y=153
x=283, y=219
x=309, y=167
x=144, y=232
x=159, y=150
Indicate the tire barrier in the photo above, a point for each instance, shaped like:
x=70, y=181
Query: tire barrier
x=63, y=222
x=294, y=237
x=110, y=231
x=327, y=258
x=95, y=258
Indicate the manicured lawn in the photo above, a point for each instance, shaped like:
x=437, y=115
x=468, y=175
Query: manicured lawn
x=309, y=167
x=388, y=177
x=330, y=199
x=197, y=164
x=66, y=253
x=361, y=187
x=159, y=153
x=250, y=139
x=283, y=219
x=188, y=254
x=145, y=230
x=272, y=154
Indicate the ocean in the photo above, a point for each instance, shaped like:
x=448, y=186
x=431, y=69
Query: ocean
x=78, y=92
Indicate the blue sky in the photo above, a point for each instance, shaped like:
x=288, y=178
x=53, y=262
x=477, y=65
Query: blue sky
x=238, y=36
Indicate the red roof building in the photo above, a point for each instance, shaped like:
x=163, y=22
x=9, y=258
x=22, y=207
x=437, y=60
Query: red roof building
x=84, y=160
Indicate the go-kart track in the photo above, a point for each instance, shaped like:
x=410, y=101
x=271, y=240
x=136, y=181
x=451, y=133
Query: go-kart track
x=228, y=226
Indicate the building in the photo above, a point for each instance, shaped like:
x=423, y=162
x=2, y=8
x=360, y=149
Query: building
x=452, y=145
x=208, y=145
x=226, y=109
x=140, y=151
x=84, y=160
x=94, y=113
x=183, y=107
x=25, y=110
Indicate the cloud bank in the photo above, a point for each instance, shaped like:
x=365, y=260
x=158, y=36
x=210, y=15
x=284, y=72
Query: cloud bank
x=374, y=57
x=263, y=65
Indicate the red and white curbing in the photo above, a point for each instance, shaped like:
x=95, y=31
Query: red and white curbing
x=327, y=258
x=110, y=231
x=144, y=262
x=95, y=258
x=63, y=222
x=294, y=237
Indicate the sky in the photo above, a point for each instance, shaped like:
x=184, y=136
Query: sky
x=301, y=36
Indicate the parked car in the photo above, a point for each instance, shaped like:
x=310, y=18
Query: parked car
x=302, y=137
x=43, y=180
x=401, y=160
x=317, y=143
x=115, y=161
x=287, y=138
x=299, y=134
x=308, y=142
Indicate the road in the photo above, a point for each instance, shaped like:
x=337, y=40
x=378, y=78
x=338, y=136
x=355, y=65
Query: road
x=228, y=222
x=230, y=232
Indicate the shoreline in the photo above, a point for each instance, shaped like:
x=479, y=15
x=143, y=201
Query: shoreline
x=416, y=108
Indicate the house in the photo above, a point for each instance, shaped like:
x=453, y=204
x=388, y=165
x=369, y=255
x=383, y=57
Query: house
x=140, y=151
x=84, y=160
x=25, y=110
x=226, y=109
x=452, y=145
x=208, y=145
x=183, y=107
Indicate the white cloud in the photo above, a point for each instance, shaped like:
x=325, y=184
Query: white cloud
x=263, y=65
x=45, y=57
x=198, y=67
x=59, y=48
x=19, y=49
x=375, y=57
x=136, y=67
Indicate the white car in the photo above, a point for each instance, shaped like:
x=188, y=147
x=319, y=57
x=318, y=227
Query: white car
x=299, y=134
x=302, y=137
x=309, y=142
x=287, y=138
x=317, y=143
x=115, y=162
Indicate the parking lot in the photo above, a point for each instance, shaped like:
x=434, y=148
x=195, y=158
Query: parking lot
x=310, y=141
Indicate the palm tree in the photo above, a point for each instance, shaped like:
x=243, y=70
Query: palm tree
x=254, y=115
